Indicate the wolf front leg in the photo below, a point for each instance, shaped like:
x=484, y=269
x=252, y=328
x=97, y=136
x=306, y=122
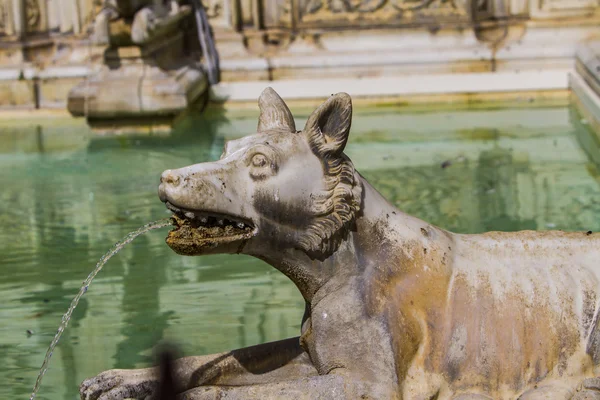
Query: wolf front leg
x=268, y=362
x=333, y=386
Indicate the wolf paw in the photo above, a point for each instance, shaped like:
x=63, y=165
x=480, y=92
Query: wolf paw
x=118, y=384
x=589, y=390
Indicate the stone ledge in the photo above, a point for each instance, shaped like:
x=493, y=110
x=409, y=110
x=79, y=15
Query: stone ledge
x=381, y=58
x=10, y=74
x=57, y=72
x=413, y=84
x=137, y=91
x=74, y=71
x=387, y=52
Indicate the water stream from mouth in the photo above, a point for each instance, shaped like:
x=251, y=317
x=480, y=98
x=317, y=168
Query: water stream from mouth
x=84, y=288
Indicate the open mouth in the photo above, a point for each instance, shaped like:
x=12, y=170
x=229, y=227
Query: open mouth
x=197, y=231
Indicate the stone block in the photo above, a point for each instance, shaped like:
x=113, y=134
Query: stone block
x=137, y=90
x=10, y=54
x=53, y=92
x=17, y=93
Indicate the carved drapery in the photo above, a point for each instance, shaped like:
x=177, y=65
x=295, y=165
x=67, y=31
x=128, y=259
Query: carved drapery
x=33, y=15
x=7, y=18
x=2, y=17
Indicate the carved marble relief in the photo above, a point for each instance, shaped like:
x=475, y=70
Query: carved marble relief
x=33, y=15
x=564, y=7
x=310, y=11
x=214, y=8
x=219, y=12
x=3, y=18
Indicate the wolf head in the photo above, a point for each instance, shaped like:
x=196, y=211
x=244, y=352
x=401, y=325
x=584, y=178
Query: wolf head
x=278, y=188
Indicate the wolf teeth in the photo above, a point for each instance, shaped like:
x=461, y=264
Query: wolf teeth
x=207, y=221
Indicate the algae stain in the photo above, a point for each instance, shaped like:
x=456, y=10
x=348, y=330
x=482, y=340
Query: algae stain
x=592, y=169
x=373, y=135
x=479, y=133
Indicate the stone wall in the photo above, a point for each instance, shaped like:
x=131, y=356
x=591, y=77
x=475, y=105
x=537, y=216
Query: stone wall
x=319, y=38
x=285, y=17
x=45, y=51
x=31, y=18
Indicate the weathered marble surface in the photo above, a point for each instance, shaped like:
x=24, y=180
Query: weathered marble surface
x=132, y=57
x=137, y=91
x=296, y=39
x=395, y=307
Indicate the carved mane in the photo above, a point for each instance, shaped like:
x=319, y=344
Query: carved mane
x=327, y=129
x=335, y=209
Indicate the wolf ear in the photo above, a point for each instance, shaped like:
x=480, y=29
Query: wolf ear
x=328, y=126
x=274, y=113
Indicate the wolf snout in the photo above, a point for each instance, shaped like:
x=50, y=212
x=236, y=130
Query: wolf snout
x=168, y=180
x=169, y=177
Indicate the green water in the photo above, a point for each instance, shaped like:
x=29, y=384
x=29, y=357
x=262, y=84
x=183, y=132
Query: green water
x=66, y=197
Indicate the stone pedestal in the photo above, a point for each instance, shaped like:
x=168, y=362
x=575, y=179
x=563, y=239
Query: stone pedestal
x=140, y=87
x=136, y=92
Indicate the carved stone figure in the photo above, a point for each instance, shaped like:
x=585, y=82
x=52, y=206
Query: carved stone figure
x=149, y=74
x=141, y=20
x=395, y=308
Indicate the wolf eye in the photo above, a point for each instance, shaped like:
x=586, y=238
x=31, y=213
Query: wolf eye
x=259, y=160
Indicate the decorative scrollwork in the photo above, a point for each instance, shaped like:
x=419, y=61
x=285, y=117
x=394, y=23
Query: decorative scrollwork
x=340, y=6
x=411, y=5
x=312, y=6
x=371, y=7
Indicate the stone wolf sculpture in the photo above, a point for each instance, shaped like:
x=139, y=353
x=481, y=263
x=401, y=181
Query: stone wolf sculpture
x=395, y=308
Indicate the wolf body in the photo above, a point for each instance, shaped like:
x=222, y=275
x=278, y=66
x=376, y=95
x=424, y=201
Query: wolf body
x=395, y=308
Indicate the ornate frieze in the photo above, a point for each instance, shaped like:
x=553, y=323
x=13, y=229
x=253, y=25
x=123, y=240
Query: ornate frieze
x=322, y=12
x=554, y=8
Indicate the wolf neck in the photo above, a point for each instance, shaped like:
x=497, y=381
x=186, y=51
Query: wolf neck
x=378, y=222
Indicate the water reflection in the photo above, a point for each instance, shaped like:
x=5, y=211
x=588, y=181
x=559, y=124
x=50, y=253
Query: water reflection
x=68, y=196
x=148, y=319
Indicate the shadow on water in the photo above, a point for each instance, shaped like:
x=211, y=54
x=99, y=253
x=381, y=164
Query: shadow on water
x=498, y=196
x=190, y=132
x=587, y=138
x=147, y=319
